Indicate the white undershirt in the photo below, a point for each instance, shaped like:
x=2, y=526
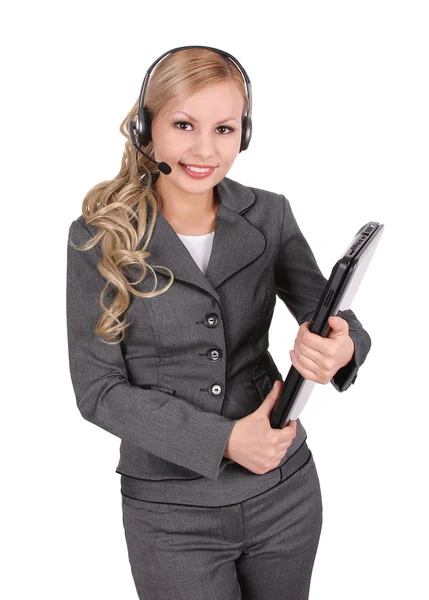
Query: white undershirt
x=200, y=248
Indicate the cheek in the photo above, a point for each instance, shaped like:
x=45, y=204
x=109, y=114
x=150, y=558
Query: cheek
x=165, y=140
x=228, y=152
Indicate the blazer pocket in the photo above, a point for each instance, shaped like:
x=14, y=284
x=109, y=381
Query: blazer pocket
x=262, y=382
x=149, y=386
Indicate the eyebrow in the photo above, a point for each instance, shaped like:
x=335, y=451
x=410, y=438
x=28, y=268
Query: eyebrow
x=196, y=121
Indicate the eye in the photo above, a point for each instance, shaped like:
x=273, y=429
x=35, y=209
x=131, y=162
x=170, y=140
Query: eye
x=230, y=129
x=178, y=125
x=181, y=123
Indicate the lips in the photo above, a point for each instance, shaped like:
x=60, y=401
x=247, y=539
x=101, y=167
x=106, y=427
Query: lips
x=199, y=166
x=198, y=174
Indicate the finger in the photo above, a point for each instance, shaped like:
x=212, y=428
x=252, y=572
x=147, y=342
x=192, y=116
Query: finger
x=307, y=373
x=284, y=447
x=321, y=364
x=325, y=346
x=311, y=340
x=308, y=363
x=304, y=334
x=301, y=351
x=310, y=370
x=288, y=433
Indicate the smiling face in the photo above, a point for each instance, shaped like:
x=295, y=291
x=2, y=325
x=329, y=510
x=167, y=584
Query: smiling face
x=203, y=130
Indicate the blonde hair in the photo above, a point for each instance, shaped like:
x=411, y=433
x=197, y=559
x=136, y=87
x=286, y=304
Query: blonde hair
x=119, y=207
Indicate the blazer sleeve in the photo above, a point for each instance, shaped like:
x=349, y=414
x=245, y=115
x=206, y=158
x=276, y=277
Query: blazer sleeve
x=164, y=425
x=300, y=283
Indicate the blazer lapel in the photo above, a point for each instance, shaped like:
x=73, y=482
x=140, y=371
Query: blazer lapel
x=236, y=242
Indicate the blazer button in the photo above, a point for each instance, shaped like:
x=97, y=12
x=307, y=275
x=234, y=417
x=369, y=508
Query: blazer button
x=216, y=389
x=214, y=354
x=211, y=320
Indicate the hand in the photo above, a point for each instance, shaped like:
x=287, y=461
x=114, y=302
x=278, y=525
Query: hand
x=254, y=444
x=318, y=358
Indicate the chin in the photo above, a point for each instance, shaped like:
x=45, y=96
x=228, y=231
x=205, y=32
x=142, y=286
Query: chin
x=197, y=186
x=197, y=189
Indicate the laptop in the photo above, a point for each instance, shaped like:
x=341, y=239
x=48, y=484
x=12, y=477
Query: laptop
x=338, y=294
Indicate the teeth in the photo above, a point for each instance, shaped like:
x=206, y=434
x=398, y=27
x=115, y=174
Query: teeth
x=198, y=169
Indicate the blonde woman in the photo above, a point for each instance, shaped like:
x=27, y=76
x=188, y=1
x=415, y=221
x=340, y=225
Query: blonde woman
x=172, y=278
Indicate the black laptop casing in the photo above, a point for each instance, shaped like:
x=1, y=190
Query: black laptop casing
x=338, y=294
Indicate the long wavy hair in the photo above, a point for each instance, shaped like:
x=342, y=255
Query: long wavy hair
x=119, y=208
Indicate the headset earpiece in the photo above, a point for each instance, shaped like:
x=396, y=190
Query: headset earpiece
x=143, y=127
x=246, y=133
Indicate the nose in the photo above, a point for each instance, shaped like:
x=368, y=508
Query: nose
x=204, y=144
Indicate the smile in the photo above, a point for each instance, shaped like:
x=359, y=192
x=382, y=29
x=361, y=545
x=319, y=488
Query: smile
x=198, y=172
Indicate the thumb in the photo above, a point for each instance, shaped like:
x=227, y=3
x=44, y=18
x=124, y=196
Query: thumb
x=270, y=399
x=338, y=325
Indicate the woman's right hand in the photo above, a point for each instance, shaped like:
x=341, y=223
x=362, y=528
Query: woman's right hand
x=254, y=444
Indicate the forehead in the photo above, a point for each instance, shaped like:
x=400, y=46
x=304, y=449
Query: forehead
x=222, y=99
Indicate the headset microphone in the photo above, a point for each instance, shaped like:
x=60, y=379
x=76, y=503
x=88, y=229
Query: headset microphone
x=162, y=166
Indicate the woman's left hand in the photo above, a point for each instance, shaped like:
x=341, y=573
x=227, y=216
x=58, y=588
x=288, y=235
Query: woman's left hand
x=319, y=358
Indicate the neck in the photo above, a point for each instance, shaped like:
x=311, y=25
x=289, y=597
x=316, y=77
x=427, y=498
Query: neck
x=182, y=206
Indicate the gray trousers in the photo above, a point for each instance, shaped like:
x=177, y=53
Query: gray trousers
x=260, y=549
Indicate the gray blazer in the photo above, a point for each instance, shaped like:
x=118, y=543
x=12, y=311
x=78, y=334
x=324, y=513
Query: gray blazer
x=195, y=358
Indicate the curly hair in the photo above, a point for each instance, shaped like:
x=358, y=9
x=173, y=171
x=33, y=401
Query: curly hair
x=123, y=210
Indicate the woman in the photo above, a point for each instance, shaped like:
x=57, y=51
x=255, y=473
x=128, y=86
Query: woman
x=175, y=361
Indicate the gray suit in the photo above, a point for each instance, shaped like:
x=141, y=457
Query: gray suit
x=195, y=359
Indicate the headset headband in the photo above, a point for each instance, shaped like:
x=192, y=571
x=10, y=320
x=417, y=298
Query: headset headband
x=222, y=52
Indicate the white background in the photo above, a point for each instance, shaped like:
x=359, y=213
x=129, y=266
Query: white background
x=340, y=126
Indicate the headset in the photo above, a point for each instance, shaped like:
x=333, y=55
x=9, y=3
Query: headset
x=140, y=127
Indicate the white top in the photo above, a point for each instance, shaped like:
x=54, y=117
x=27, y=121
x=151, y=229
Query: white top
x=200, y=248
